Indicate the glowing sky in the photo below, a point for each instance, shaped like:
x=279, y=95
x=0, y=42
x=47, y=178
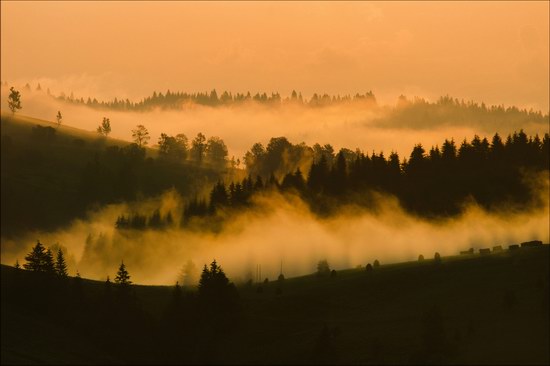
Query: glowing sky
x=495, y=52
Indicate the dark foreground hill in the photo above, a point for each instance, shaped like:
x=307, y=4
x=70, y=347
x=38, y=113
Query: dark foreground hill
x=470, y=309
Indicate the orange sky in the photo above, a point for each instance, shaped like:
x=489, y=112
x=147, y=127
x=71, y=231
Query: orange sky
x=495, y=52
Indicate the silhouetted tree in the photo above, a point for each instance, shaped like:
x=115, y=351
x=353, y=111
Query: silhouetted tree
x=104, y=128
x=376, y=263
x=49, y=264
x=216, y=152
x=58, y=118
x=198, y=148
x=173, y=148
x=37, y=260
x=122, y=277
x=14, y=100
x=216, y=293
x=60, y=265
x=141, y=135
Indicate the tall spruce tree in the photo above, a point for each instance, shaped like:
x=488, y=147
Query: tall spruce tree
x=60, y=264
x=122, y=277
x=49, y=264
x=36, y=259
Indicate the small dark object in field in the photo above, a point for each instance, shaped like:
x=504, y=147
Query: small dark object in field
x=333, y=273
x=485, y=251
x=376, y=263
x=467, y=252
x=532, y=243
x=420, y=258
x=281, y=277
x=497, y=248
x=513, y=247
x=369, y=267
x=437, y=257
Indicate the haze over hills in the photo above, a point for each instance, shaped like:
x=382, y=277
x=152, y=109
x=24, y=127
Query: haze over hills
x=357, y=124
x=274, y=182
x=85, y=195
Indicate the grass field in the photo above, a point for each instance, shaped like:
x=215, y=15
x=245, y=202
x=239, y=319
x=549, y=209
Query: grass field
x=472, y=309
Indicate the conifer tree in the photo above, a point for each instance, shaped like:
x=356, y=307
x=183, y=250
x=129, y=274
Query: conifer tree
x=122, y=277
x=49, y=265
x=36, y=259
x=215, y=290
x=60, y=265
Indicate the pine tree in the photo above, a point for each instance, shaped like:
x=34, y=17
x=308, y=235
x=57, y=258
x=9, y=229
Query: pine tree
x=60, y=265
x=122, y=277
x=17, y=266
x=49, y=265
x=36, y=258
x=215, y=290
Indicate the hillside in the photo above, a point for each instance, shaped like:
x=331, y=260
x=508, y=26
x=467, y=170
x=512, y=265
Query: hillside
x=468, y=309
x=51, y=175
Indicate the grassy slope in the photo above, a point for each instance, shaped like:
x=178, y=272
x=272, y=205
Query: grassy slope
x=42, y=172
x=493, y=309
x=42, y=181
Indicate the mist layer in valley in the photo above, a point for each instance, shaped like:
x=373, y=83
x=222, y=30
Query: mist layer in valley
x=284, y=232
x=363, y=125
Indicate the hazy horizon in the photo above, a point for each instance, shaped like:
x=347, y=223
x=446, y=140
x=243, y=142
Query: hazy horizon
x=496, y=52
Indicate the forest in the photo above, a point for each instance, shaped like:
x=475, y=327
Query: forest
x=497, y=175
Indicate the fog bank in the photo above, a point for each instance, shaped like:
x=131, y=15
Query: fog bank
x=284, y=230
x=354, y=125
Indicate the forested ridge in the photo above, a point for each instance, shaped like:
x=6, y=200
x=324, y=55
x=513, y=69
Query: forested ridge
x=436, y=183
x=51, y=176
x=73, y=174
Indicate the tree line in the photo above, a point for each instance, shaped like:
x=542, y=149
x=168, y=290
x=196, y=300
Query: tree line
x=430, y=183
x=177, y=100
x=113, y=315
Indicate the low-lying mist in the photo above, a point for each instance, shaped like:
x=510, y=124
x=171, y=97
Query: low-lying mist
x=282, y=230
x=369, y=127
